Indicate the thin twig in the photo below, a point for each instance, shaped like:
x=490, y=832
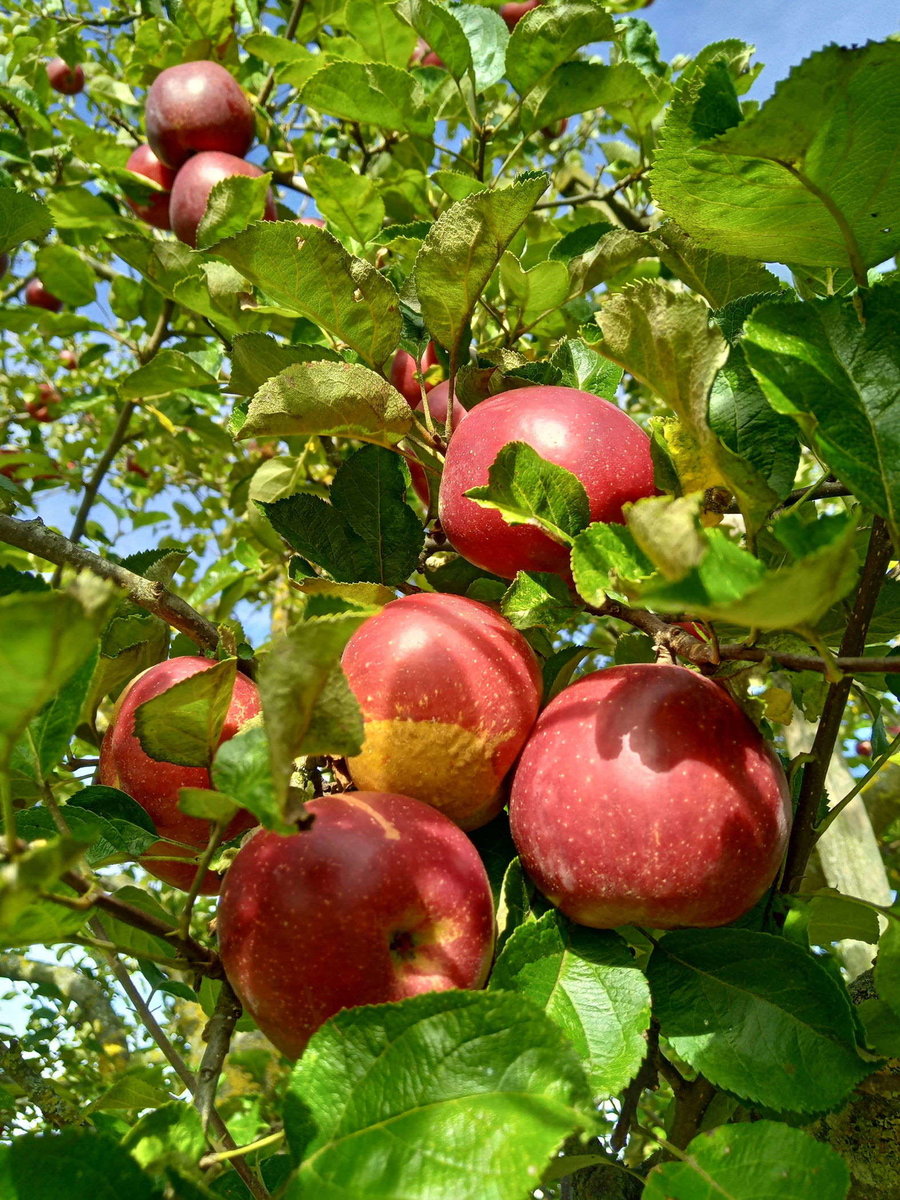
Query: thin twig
x=212, y=845
x=36, y=538
x=289, y=30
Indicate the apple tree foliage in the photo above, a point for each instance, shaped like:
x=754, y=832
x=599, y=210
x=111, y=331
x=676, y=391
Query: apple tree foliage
x=228, y=464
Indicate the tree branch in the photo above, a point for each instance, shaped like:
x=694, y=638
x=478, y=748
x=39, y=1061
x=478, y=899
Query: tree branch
x=35, y=538
x=40, y=1091
x=217, y=1035
x=289, y=30
x=804, y=831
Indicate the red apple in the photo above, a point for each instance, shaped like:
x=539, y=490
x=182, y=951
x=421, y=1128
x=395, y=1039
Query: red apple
x=437, y=399
x=48, y=397
x=68, y=359
x=135, y=467
x=424, y=56
x=38, y=296
x=588, y=436
x=864, y=749
x=512, y=14
x=156, y=210
x=155, y=785
x=197, y=106
x=381, y=899
x=403, y=373
x=645, y=796
x=317, y=221
x=449, y=691
x=4, y=264
x=64, y=78
x=196, y=180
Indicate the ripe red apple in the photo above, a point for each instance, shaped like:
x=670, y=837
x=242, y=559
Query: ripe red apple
x=403, y=373
x=449, y=691
x=48, y=397
x=512, y=14
x=155, y=785
x=155, y=211
x=197, y=106
x=317, y=221
x=68, y=359
x=864, y=749
x=381, y=899
x=63, y=78
x=196, y=180
x=437, y=399
x=645, y=796
x=38, y=296
x=424, y=56
x=588, y=436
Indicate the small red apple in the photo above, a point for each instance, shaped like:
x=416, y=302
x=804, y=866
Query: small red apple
x=68, y=359
x=48, y=397
x=381, y=899
x=512, y=14
x=155, y=785
x=197, y=106
x=645, y=796
x=196, y=180
x=38, y=296
x=63, y=78
x=449, y=691
x=135, y=467
x=4, y=264
x=317, y=221
x=864, y=749
x=437, y=399
x=403, y=373
x=588, y=436
x=424, y=56
x=156, y=210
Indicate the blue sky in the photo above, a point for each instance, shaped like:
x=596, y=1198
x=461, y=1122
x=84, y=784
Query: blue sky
x=783, y=31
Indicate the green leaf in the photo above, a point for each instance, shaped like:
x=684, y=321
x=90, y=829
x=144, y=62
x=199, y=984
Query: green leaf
x=528, y=490
x=183, y=724
x=71, y=1163
x=242, y=769
x=167, y=372
x=484, y=1077
x=232, y=204
x=22, y=219
x=583, y=368
x=462, y=250
x=338, y=399
x=170, y=1136
x=797, y=181
x=44, y=638
x=126, y=830
x=51, y=731
x=714, y=990
x=373, y=94
x=308, y=273
x=836, y=376
x=887, y=966
x=129, y=1093
x=606, y=557
x=534, y=293
x=834, y=917
x=538, y=600
x=207, y=804
x=442, y=31
x=319, y=532
x=665, y=339
x=349, y=201
x=548, y=36
x=380, y=32
x=719, y=278
x=587, y=982
x=488, y=38
x=369, y=490
x=742, y=418
x=256, y=357
x=35, y=870
x=64, y=272
x=307, y=702
x=748, y=1162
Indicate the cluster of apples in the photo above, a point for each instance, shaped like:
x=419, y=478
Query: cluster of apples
x=641, y=794
x=199, y=126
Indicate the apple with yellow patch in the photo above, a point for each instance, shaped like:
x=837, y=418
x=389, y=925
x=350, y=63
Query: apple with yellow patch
x=449, y=692
x=381, y=899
